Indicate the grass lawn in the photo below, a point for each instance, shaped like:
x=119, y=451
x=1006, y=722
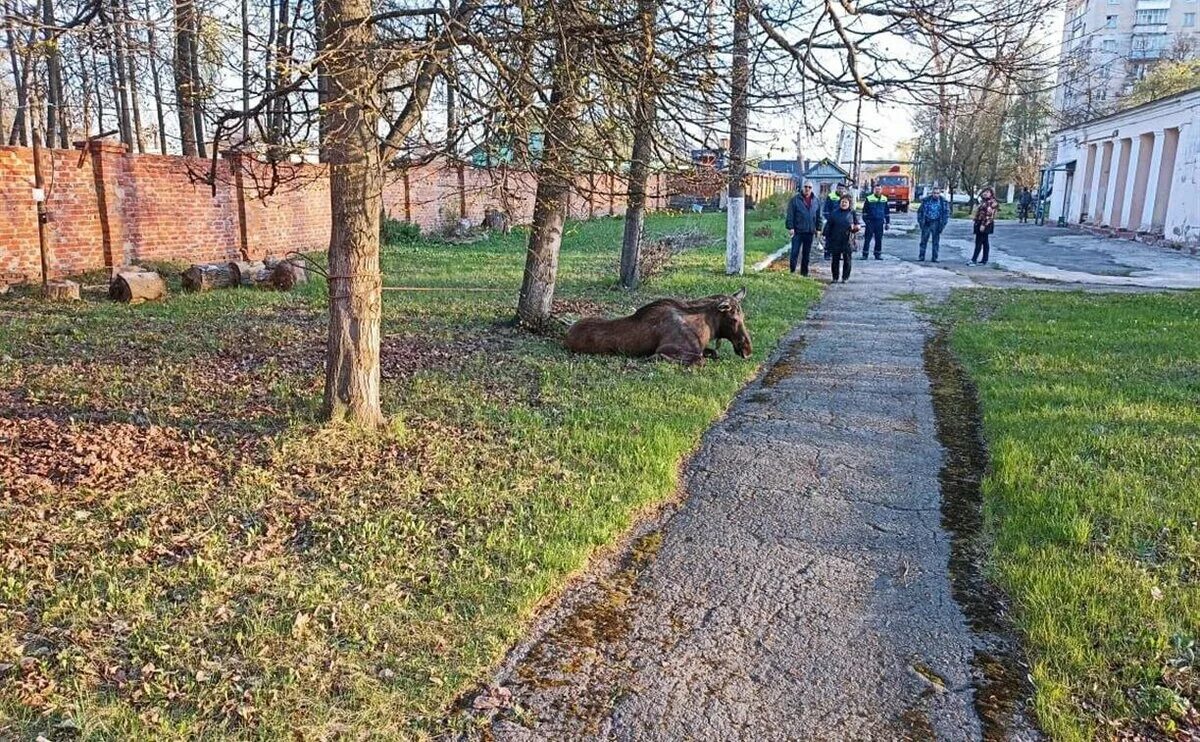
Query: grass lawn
x=186, y=553
x=1091, y=410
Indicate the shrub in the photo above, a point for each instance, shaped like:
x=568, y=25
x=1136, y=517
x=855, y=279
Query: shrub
x=395, y=232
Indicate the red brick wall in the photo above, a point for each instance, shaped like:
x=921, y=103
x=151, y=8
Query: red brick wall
x=108, y=207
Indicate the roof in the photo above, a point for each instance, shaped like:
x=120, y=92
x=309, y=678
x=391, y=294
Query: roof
x=1124, y=111
x=826, y=167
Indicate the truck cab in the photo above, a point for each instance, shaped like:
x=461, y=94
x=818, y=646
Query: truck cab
x=897, y=187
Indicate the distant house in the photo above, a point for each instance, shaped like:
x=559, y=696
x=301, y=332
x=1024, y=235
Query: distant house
x=825, y=174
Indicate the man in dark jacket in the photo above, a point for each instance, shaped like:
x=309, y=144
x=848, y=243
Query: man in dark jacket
x=1025, y=205
x=932, y=218
x=875, y=219
x=803, y=223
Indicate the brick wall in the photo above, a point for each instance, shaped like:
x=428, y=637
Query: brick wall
x=107, y=207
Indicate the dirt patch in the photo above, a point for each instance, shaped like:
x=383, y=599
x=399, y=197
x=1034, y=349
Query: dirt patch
x=581, y=308
x=787, y=364
x=1002, y=687
x=38, y=455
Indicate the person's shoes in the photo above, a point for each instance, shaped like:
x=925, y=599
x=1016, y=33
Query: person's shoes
x=933, y=261
x=921, y=259
x=845, y=279
x=972, y=262
x=879, y=257
x=983, y=262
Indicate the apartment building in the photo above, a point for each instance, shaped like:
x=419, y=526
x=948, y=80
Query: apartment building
x=1109, y=44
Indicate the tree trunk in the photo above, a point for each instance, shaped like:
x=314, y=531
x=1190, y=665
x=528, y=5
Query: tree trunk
x=62, y=291
x=206, y=277
x=735, y=231
x=356, y=202
x=132, y=77
x=20, y=75
x=158, y=99
x=643, y=143
x=56, y=121
x=135, y=287
x=245, y=72
x=185, y=89
x=554, y=184
x=117, y=71
x=245, y=272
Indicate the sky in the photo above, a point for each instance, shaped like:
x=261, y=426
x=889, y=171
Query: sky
x=885, y=125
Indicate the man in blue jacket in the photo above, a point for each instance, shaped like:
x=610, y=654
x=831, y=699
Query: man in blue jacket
x=803, y=222
x=875, y=218
x=932, y=218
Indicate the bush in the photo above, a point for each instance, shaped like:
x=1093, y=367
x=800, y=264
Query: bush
x=396, y=232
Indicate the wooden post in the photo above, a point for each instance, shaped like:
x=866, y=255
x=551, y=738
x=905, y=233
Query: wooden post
x=40, y=202
x=407, y=199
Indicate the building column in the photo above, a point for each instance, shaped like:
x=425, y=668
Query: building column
x=1176, y=219
x=1115, y=201
x=1135, y=186
x=1103, y=178
x=1093, y=185
x=1147, y=218
x=1086, y=166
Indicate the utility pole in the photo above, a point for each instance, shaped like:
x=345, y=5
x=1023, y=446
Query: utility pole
x=735, y=230
x=857, y=170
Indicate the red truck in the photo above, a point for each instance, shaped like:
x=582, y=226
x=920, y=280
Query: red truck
x=897, y=186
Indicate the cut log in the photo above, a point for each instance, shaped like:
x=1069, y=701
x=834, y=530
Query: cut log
x=285, y=274
x=245, y=273
x=135, y=287
x=62, y=291
x=207, y=276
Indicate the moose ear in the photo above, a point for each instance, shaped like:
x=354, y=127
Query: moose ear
x=725, y=306
x=741, y=294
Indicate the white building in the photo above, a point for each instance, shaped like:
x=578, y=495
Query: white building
x=1109, y=44
x=1137, y=170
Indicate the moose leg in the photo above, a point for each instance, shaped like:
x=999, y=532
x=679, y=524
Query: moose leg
x=714, y=351
x=679, y=354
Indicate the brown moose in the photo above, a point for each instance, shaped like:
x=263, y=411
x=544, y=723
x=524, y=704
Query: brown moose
x=672, y=329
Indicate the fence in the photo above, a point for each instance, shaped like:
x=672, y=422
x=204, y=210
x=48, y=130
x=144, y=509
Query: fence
x=106, y=207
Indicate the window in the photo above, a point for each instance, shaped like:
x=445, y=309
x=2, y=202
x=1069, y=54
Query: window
x=1189, y=20
x=1148, y=46
x=1110, y=21
x=1151, y=17
x=1109, y=45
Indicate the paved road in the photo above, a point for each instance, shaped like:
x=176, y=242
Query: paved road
x=800, y=589
x=1059, y=255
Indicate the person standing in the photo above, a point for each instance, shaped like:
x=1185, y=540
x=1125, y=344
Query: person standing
x=875, y=219
x=831, y=205
x=932, y=217
x=984, y=224
x=839, y=230
x=1025, y=204
x=803, y=223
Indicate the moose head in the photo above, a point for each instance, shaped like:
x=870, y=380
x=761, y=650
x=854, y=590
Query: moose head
x=731, y=323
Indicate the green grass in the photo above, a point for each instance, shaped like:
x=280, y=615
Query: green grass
x=187, y=553
x=1091, y=410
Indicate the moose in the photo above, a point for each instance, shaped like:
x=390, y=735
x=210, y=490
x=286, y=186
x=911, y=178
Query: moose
x=673, y=329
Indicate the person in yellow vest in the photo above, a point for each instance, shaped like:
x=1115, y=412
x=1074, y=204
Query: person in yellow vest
x=875, y=219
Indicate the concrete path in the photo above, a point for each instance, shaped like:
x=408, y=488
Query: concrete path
x=1068, y=257
x=801, y=587
x=801, y=590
